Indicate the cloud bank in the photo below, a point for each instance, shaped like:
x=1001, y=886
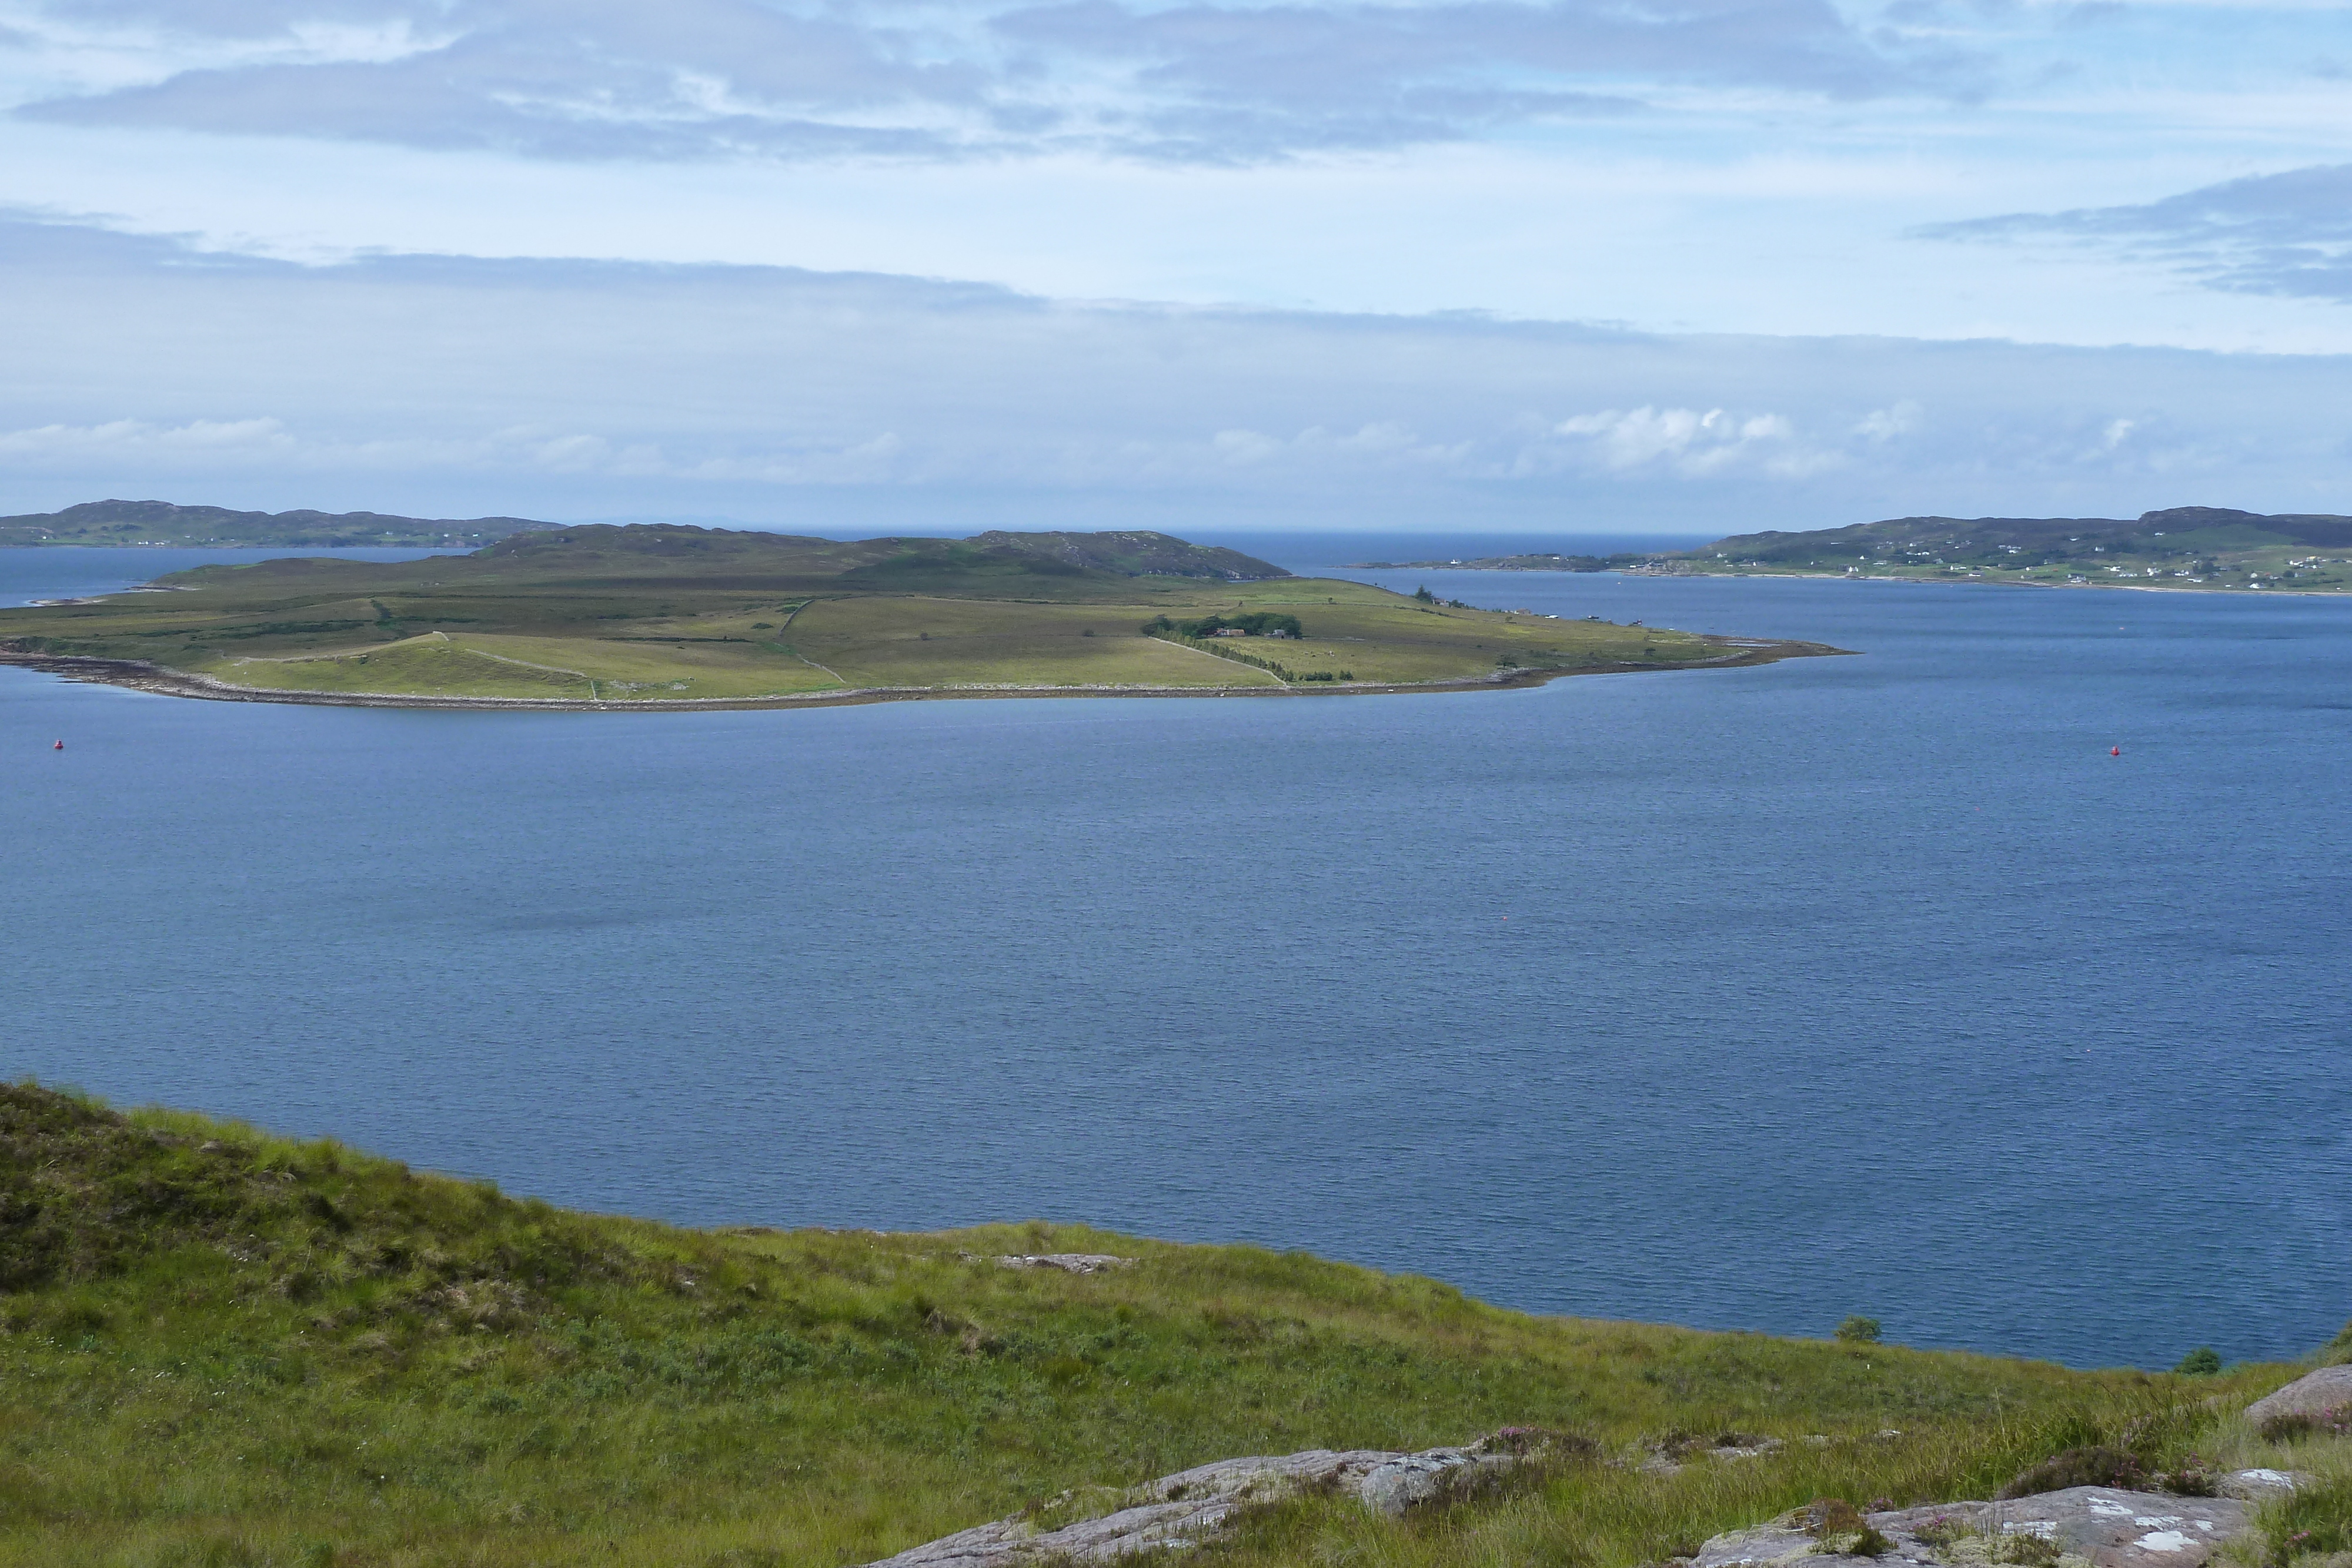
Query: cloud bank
x=454, y=386
x=735, y=78
x=2286, y=233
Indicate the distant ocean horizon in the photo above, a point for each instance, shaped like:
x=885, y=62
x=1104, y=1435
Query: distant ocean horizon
x=1742, y=998
x=1306, y=550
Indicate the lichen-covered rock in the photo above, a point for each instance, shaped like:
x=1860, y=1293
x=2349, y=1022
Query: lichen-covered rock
x=2314, y=1394
x=1668, y=1456
x=1266, y=1478
x=1397, y=1486
x=2259, y=1485
x=2082, y=1527
x=1067, y=1262
x=1009, y=1541
x=1192, y=1506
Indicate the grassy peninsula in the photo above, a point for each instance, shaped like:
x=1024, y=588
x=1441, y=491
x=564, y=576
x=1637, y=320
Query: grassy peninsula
x=2199, y=548
x=221, y=1347
x=605, y=616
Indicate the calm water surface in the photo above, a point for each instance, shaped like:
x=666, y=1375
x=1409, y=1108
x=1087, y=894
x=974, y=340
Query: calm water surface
x=1743, y=998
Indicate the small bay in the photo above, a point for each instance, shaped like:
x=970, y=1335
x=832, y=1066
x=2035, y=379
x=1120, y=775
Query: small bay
x=1744, y=998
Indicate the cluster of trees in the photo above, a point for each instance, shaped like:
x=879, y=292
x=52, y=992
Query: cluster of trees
x=1258, y=623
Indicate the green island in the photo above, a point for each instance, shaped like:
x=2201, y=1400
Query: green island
x=2193, y=548
x=224, y=1349
x=605, y=616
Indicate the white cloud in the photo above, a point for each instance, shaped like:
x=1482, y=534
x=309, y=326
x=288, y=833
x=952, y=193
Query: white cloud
x=1683, y=438
x=2287, y=233
x=230, y=439
x=454, y=387
x=732, y=78
x=1884, y=424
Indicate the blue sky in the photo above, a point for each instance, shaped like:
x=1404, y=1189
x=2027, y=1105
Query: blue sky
x=1588, y=265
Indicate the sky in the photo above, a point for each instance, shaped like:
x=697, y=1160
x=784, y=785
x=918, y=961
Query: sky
x=1574, y=266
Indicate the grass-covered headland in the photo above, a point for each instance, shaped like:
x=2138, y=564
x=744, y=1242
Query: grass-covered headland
x=218, y=1347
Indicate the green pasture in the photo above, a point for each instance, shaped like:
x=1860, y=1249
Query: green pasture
x=923, y=641
x=696, y=665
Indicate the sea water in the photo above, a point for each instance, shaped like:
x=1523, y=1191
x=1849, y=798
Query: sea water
x=1744, y=998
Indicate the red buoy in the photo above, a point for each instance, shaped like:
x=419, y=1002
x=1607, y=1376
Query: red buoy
x=60, y=746
x=2114, y=751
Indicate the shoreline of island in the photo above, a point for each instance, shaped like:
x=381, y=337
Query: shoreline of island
x=159, y=681
x=1858, y=577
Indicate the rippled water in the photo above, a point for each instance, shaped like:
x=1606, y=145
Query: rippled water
x=1743, y=998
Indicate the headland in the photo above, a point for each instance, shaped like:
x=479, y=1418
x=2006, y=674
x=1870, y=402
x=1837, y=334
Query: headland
x=2208, y=549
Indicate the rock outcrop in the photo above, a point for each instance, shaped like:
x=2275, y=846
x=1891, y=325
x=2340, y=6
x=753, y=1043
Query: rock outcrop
x=2260, y=1486
x=2076, y=1527
x=2313, y=1395
x=1192, y=1506
x=1067, y=1262
x=2082, y=1527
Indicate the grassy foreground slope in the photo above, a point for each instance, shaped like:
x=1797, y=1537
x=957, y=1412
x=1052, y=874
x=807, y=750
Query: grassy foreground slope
x=217, y=1347
x=647, y=615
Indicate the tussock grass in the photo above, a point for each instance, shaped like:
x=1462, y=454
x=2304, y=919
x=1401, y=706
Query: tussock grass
x=221, y=1347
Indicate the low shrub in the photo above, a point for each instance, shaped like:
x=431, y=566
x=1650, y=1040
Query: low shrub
x=1858, y=1329
x=2203, y=1361
x=2027, y=1549
x=2089, y=1467
x=1542, y=1442
x=1839, y=1526
x=1943, y=1531
x=2334, y=1422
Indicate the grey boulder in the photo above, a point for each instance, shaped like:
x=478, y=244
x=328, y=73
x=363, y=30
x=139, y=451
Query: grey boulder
x=2313, y=1394
x=2260, y=1486
x=1398, y=1484
x=1192, y=1506
x=2095, y=1526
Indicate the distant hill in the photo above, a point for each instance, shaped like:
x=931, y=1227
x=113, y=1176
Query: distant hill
x=166, y=523
x=1136, y=554
x=2173, y=533
x=1128, y=553
x=2202, y=549
x=990, y=561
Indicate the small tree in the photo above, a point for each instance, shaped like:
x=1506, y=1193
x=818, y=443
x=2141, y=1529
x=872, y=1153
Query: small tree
x=2203, y=1361
x=1858, y=1329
